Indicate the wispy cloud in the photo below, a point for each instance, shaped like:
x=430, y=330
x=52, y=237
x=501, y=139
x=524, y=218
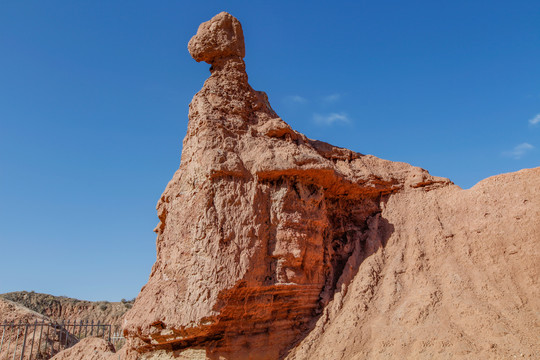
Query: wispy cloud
x=296, y=99
x=329, y=99
x=518, y=151
x=535, y=120
x=332, y=118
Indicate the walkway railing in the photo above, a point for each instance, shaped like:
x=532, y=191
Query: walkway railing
x=42, y=340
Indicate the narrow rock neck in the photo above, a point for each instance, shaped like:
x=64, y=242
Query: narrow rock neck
x=226, y=94
x=229, y=74
x=230, y=64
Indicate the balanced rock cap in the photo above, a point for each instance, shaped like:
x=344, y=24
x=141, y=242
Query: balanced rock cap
x=220, y=37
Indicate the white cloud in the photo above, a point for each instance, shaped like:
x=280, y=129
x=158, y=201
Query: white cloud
x=332, y=118
x=519, y=150
x=297, y=99
x=331, y=98
x=535, y=120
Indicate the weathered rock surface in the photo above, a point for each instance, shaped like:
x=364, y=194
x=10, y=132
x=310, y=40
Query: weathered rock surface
x=90, y=348
x=271, y=244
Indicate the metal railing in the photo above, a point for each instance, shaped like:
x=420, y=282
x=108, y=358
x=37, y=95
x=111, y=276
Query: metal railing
x=42, y=340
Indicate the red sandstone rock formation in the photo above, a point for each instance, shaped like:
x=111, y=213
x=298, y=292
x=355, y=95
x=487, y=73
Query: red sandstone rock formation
x=258, y=222
x=274, y=245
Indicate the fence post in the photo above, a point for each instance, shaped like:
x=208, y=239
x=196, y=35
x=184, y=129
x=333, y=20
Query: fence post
x=73, y=328
x=40, y=335
x=10, y=336
x=24, y=341
x=54, y=328
x=80, y=329
x=67, y=333
x=60, y=334
x=17, y=340
x=33, y=338
x=47, y=338
x=3, y=332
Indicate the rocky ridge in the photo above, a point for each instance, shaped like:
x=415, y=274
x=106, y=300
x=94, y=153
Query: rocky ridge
x=60, y=308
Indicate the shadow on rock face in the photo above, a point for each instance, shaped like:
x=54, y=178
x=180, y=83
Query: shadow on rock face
x=265, y=321
x=356, y=236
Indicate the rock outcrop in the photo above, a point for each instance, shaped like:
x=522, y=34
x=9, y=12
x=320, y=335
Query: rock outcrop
x=271, y=244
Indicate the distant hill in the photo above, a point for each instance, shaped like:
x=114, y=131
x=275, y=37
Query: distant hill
x=65, y=308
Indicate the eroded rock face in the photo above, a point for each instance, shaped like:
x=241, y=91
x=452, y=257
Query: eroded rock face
x=457, y=279
x=257, y=225
x=273, y=245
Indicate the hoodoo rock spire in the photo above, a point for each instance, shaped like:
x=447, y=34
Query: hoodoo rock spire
x=264, y=235
x=259, y=222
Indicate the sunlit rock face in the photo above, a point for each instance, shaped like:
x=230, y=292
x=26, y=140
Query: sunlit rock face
x=257, y=224
x=271, y=245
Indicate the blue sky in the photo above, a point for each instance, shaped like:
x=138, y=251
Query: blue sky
x=94, y=99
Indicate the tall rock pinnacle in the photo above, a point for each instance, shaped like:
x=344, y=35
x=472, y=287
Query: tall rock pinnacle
x=259, y=221
x=263, y=232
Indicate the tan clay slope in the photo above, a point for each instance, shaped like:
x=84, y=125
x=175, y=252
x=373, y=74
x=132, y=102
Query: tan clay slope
x=64, y=308
x=89, y=348
x=458, y=278
x=11, y=312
